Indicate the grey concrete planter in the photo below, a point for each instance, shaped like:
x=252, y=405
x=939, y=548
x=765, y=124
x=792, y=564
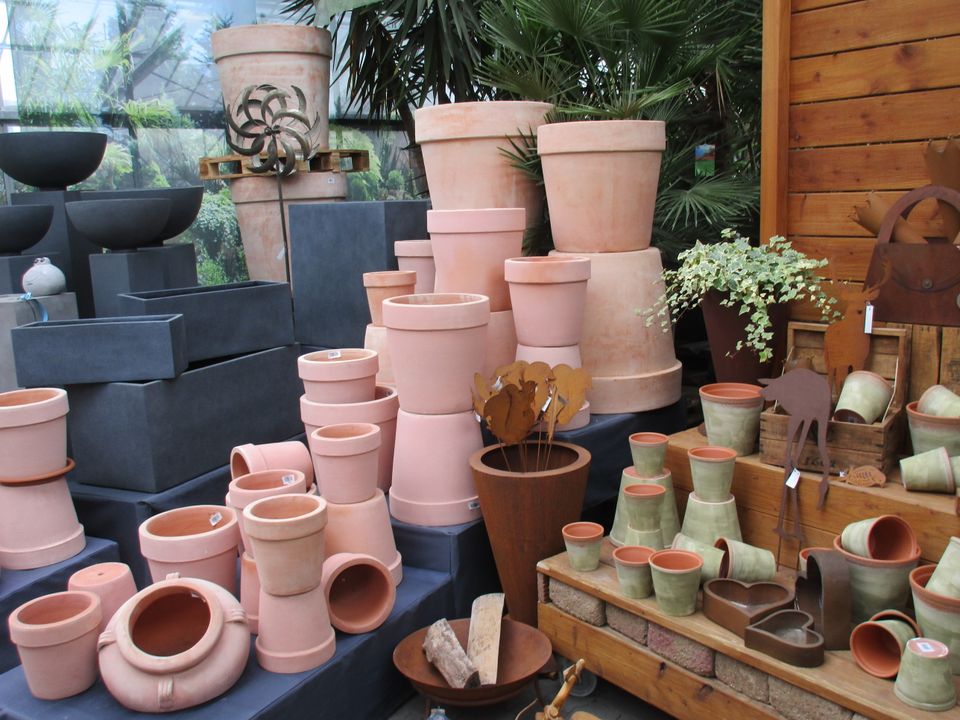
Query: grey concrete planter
x=222, y=320
x=151, y=268
x=154, y=435
x=72, y=352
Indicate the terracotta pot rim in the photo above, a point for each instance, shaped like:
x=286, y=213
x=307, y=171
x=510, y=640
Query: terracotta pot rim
x=582, y=531
x=865, y=662
x=871, y=562
x=690, y=560
x=350, y=364
x=259, y=38
x=436, y=311
x=311, y=519
x=601, y=136
x=413, y=248
x=386, y=406
x=648, y=439
x=254, y=189
x=581, y=460
x=712, y=454
x=897, y=615
x=191, y=546
x=546, y=270
x=265, y=483
x=914, y=414
x=87, y=617
x=496, y=119
x=39, y=479
x=919, y=577
x=631, y=472
x=472, y=222
x=345, y=439
x=333, y=567
x=389, y=278
x=32, y=406
x=733, y=394
x=643, y=490
x=633, y=555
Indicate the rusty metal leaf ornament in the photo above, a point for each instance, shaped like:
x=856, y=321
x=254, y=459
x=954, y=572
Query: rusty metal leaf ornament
x=572, y=385
x=481, y=392
x=511, y=374
x=541, y=374
x=509, y=413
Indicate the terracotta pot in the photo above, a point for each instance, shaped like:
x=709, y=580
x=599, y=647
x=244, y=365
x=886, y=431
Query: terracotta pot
x=339, y=376
x=633, y=570
x=601, y=180
x=946, y=578
x=56, y=639
x=669, y=518
x=928, y=432
x=552, y=356
x=501, y=342
x=644, y=506
x=250, y=591
x=382, y=412
x=364, y=528
x=432, y=482
x=112, y=582
x=939, y=400
x=676, y=579
x=731, y=413
x=582, y=541
x=548, y=295
x=417, y=255
x=744, y=562
x=878, y=645
x=711, y=555
x=475, y=135
x=924, y=679
x=359, y=591
x=888, y=537
x=648, y=450
x=286, y=537
x=375, y=338
x=864, y=398
x=38, y=522
x=711, y=469
x=345, y=458
x=174, y=645
x=199, y=541
x=937, y=614
x=708, y=522
x=930, y=471
x=877, y=585
x=437, y=343
x=247, y=489
x=247, y=459
x=33, y=432
x=726, y=327
x=387, y=284
x=644, y=538
x=470, y=247
x=525, y=513
x=295, y=632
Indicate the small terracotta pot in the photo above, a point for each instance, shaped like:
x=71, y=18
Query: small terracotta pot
x=386, y=284
x=644, y=538
x=644, y=505
x=930, y=471
x=286, y=535
x=247, y=459
x=746, y=563
x=940, y=401
x=864, y=398
x=345, y=459
x=924, y=680
x=417, y=256
x=363, y=528
x=348, y=375
x=173, y=645
x=712, y=556
x=706, y=521
x=552, y=356
x=711, y=469
x=877, y=646
x=731, y=413
x=877, y=585
x=199, y=541
x=582, y=540
x=676, y=579
x=359, y=591
x=295, y=632
x=112, y=582
x=648, y=450
x=633, y=570
x=250, y=591
x=381, y=411
x=548, y=296
x=928, y=432
x=937, y=614
x=946, y=578
x=56, y=639
x=888, y=537
x=669, y=518
x=247, y=489
x=33, y=432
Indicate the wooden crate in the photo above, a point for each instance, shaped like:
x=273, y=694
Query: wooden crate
x=229, y=167
x=850, y=445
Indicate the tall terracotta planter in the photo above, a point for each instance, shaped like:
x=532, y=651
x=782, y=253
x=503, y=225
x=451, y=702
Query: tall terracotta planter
x=387, y=284
x=726, y=327
x=525, y=513
x=601, y=180
x=364, y=528
x=548, y=295
x=417, y=255
x=33, y=432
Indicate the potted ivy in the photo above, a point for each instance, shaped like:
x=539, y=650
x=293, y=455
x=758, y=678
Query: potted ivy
x=744, y=291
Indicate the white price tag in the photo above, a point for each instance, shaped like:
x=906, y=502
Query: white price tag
x=334, y=355
x=281, y=254
x=288, y=479
x=473, y=505
x=215, y=518
x=925, y=646
x=868, y=319
x=794, y=479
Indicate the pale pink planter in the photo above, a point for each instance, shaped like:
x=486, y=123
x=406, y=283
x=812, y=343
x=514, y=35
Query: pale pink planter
x=33, y=432
x=345, y=459
x=174, y=645
x=339, y=376
x=552, y=356
x=470, y=247
x=382, y=412
x=437, y=343
x=248, y=489
x=112, y=582
x=417, y=255
x=199, y=541
x=548, y=296
x=375, y=338
x=56, y=639
x=250, y=591
x=363, y=528
x=387, y=284
x=601, y=180
x=295, y=632
x=359, y=592
x=293, y=454
x=501, y=342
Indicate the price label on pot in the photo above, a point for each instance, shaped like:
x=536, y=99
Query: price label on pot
x=868, y=319
x=793, y=479
x=215, y=518
x=288, y=479
x=473, y=505
x=334, y=354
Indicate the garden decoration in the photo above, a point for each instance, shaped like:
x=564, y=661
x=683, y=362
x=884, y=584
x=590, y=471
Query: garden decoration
x=865, y=476
x=870, y=217
x=943, y=167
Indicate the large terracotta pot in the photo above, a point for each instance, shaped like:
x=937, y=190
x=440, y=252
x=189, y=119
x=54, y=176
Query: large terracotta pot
x=375, y=338
x=33, y=432
x=601, y=180
x=345, y=457
x=387, y=284
x=525, y=513
x=437, y=343
x=726, y=327
x=501, y=341
x=475, y=135
x=347, y=375
x=364, y=528
x=548, y=295
x=247, y=489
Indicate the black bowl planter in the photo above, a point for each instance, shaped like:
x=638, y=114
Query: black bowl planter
x=184, y=205
x=51, y=160
x=23, y=226
x=120, y=225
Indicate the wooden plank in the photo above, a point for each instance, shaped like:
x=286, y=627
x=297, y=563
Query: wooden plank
x=870, y=23
x=641, y=672
x=950, y=362
x=831, y=214
x=913, y=66
x=774, y=112
x=804, y=5
x=849, y=257
x=924, y=358
x=230, y=167
x=893, y=166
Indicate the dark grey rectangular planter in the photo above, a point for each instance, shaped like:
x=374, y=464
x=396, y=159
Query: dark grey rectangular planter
x=96, y=350
x=332, y=245
x=151, y=436
x=222, y=320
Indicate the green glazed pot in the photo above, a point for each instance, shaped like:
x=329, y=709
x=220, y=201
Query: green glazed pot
x=864, y=398
x=731, y=414
x=745, y=563
x=930, y=471
x=945, y=580
x=706, y=521
x=938, y=615
x=648, y=450
x=644, y=504
x=924, y=681
x=644, y=538
x=711, y=469
x=669, y=518
x=711, y=556
x=877, y=646
x=887, y=537
x=676, y=579
x=877, y=585
x=938, y=400
x=633, y=570
x=928, y=432
x=582, y=540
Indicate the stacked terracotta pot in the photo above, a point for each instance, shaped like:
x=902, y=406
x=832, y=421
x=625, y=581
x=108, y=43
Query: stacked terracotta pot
x=379, y=287
x=417, y=256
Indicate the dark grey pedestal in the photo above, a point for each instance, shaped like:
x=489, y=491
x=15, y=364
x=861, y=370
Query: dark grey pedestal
x=12, y=268
x=332, y=245
x=179, y=264
x=159, y=268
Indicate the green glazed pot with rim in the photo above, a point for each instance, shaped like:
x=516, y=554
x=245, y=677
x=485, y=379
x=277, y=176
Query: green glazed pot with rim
x=946, y=578
x=928, y=432
x=644, y=538
x=930, y=471
x=937, y=614
x=582, y=540
x=864, y=398
x=877, y=585
x=939, y=400
x=648, y=450
x=878, y=644
x=731, y=414
x=711, y=556
x=707, y=521
x=887, y=537
x=711, y=469
x=676, y=579
x=643, y=504
x=633, y=570
x=744, y=562
x=669, y=517
x=924, y=680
